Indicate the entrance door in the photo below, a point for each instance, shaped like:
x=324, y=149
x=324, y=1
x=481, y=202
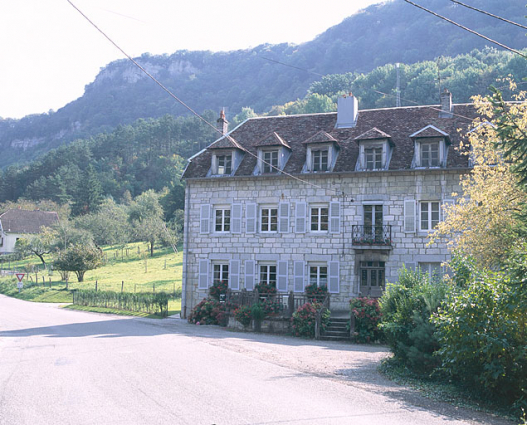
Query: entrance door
x=372, y=278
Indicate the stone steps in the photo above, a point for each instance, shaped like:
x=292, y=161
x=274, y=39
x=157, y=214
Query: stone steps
x=337, y=330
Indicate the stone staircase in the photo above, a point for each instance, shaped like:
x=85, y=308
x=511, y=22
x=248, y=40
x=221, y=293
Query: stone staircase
x=336, y=330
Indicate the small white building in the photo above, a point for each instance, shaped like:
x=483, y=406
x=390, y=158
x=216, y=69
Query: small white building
x=337, y=199
x=16, y=223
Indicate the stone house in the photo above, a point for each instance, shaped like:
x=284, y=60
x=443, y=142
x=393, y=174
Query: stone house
x=16, y=223
x=339, y=199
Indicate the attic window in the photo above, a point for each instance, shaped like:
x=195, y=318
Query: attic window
x=224, y=164
x=373, y=158
x=429, y=155
x=320, y=160
x=270, y=161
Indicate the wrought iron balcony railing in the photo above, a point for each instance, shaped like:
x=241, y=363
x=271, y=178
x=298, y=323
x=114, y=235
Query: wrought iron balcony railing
x=372, y=235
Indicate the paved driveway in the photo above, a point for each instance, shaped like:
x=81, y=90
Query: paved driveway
x=65, y=367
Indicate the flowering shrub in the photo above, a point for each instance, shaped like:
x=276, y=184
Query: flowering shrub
x=264, y=288
x=271, y=306
x=218, y=288
x=367, y=315
x=243, y=315
x=304, y=320
x=316, y=293
x=209, y=312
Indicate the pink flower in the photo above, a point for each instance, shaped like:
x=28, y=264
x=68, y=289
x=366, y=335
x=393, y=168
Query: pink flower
x=197, y=323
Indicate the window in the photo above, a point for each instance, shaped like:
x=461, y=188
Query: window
x=373, y=221
x=220, y=273
x=372, y=278
x=429, y=215
x=320, y=160
x=319, y=219
x=318, y=275
x=224, y=164
x=268, y=274
x=269, y=219
x=433, y=270
x=429, y=154
x=373, y=158
x=270, y=161
x=223, y=220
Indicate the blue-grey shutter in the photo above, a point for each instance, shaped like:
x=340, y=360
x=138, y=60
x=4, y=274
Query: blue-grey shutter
x=250, y=216
x=283, y=217
x=281, y=284
x=334, y=217
x=236, y=218
x=204, y=219
x=334, y=281
x=409, y=215
x=300, y=217
x=249, y=274
x=299, y=270
x=203, y=282
x=234, y=275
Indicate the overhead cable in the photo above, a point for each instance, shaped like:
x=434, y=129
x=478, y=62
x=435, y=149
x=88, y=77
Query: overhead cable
x=489, y=14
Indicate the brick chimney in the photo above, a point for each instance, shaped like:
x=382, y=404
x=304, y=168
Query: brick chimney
x=447, y=108
x=347, y=111
x=222, y=123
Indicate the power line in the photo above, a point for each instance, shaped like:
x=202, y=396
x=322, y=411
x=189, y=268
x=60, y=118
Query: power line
x=291, y=66
x=339, y=193
x=467, y=29
x=489, y=14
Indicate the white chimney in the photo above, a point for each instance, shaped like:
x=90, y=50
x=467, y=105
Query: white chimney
x=447, y=108
x=347, y=112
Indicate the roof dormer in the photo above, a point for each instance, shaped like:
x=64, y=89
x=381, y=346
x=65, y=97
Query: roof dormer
x=227, y=155
x=273, y=153
x=321, y=153
x=430, y=147
x=375, y=150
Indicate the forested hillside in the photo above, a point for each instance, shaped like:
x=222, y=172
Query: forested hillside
x=388, y=33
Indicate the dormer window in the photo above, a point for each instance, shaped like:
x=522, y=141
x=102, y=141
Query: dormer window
x=374, y=150
x=373, y=158
x=431, y=147
x=226, y=157
x=273, y=153
x=224, y=164
x=270, y=161
x=320, y=160
x=429, y=155
x=321, y=153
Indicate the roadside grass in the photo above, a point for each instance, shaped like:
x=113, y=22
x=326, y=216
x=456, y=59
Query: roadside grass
x=174, y=307
x=127, y=269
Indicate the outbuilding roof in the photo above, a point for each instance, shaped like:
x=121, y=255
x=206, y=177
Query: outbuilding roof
x=26, y=222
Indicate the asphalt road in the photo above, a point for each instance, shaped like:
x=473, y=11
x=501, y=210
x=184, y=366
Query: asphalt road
x=64, y=367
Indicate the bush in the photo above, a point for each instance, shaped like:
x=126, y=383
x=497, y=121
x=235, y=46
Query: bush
x=257, y=311
x=316, y=293
x=264, y=289
x=218, y=288
x=406, y=309
x=243, y=315
x=367, y=314
x=304, y=320
x=482, y=332
x=209, y=312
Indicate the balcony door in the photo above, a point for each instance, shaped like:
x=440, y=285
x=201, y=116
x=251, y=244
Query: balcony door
x=373, y=222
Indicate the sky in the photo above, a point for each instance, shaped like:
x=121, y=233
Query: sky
x=49, y=52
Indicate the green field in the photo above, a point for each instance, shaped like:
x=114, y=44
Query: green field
x=130, y=269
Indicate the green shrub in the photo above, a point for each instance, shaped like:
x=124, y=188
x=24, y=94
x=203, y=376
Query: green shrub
x=243, y=315
x=315, y=292
x=304, y=320
x=367, y=314
x=264, y=288
x=218, y=288
x=209, y=312
x=406, y=310
x=257, y=311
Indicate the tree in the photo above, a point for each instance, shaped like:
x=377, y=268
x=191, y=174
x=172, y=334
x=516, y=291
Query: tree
x=146, y=217
x=79, y=259
x=39, y=244
x=485, y=222
x=89, y=195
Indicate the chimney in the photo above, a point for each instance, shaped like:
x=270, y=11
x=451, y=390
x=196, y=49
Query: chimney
x=223, y=124
x=347, y=111
x=446, y=105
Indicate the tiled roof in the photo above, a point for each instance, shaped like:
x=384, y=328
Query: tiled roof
x=373, y=134
x=272, y=139
x=430, y=131
x=398, y=123
x=225, y=142
x=320, y=137
x=26, y=222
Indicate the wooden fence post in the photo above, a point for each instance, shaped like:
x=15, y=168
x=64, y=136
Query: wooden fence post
x=122, y=286
x=96, y=282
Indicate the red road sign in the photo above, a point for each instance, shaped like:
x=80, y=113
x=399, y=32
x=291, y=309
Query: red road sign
x=20, y=276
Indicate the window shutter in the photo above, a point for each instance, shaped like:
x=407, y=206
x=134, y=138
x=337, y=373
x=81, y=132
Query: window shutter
x=234, y=275
x=249, y=275
x=448, y=203
x=409, y=215
x=204, y=219
x=236, y=218
x=281, y=284
x=300, y=217
x=283, y=217
x=299, y=276
x=334, y=285
x=203, y=274
x=250, y=214
x=334, y=217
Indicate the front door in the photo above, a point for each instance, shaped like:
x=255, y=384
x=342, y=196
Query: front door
x=372, y=278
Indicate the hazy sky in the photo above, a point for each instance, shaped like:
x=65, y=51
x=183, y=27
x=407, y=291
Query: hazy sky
x=49, y=52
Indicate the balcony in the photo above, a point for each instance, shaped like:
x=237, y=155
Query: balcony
x=368, y=237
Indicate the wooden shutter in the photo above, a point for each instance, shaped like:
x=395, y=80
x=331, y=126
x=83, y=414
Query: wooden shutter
x=334, y=281
x=236, y=218
x=409, y=215
x=334, y=217
x=204, y=219
x=203, y=274
x=283, y=217
x=234, y=275
x=249, y=275
x=299, y=270
x=250, y=216
x=300, y=217
x=281, y=284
